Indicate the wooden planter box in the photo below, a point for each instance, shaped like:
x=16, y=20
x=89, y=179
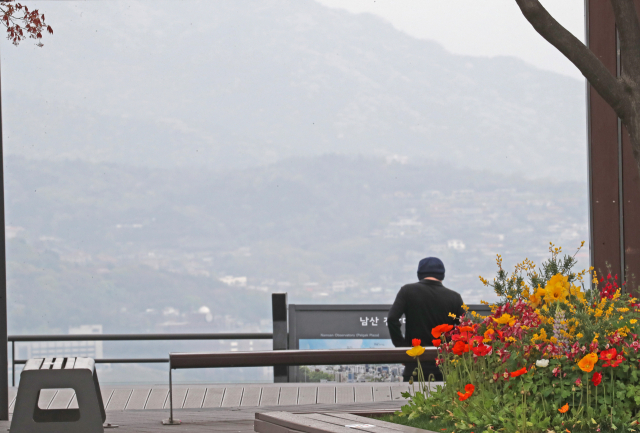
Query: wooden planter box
x=331, y=422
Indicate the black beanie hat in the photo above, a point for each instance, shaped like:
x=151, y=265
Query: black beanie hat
x=431, y=267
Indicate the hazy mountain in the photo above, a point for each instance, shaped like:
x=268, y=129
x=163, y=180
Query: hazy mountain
x=116, y=241
x=238, y=84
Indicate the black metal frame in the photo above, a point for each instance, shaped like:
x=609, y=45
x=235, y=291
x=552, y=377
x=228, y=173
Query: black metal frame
x=126, y=337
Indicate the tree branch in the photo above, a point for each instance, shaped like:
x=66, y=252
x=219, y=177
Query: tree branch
x=629, y=32
x=582, y=57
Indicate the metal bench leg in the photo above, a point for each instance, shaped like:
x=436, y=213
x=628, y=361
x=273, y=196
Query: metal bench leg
x=171, y=421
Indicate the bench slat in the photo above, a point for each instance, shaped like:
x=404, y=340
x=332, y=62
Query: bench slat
x=33, y=364
x=295, y=357
x=297, y=422
x=57, y=364
x=267, y=427
x=342, y=423
x=353, y=419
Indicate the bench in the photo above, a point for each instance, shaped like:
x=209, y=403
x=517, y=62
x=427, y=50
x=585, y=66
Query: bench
x=286, y=422
x=289, y=358
x=78, y=374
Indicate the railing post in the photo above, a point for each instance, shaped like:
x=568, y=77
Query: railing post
x=13, y=363
x=280, y=333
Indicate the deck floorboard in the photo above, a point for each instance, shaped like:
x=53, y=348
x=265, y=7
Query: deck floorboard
x=238, y=419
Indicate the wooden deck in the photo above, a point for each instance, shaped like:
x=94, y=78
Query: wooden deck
x=230, y=408
x=127, y=398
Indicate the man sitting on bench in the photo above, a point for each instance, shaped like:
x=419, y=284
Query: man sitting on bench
x=425, y=305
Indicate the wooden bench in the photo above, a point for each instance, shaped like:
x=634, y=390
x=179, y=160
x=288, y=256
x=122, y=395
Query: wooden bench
x=288, y=357
x=286, y=422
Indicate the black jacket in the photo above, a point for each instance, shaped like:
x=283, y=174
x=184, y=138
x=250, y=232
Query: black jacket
x=425, y=305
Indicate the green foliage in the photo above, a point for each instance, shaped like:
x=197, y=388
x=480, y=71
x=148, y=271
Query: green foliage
x=308, y=375
x=515, y=285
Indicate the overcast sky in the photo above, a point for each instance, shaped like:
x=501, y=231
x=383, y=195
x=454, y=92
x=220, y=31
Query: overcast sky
x=478, y=27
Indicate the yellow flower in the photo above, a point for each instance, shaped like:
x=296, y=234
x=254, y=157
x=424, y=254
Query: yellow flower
x=623, y=310
x=535, y=300
x=575, y=291
x=505, y=318
x=633, y=321
x=579, y=335
x=415, y=351
x=453, y=316
x=587, y=363
x=557, y=288
x=465, y=307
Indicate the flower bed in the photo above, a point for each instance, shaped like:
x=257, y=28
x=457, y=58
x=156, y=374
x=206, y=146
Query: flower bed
x=559, y=352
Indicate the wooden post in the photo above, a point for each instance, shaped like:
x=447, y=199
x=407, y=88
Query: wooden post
x=280, y=333
x=614, y=184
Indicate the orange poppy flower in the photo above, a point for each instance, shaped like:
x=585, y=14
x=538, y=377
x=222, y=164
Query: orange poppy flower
x=520, y=372
x=564, y=408
x=416, y=342
x=587, y=363
x=441, y=329
x=488, y=335
x=437, y=342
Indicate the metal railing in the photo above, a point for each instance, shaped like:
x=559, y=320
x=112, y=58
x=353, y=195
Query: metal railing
x=13, y=339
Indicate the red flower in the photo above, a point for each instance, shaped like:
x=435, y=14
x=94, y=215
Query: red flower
x=616, y=362
x=437, y=342
x=469, y=389
x=416, y=342
x=481, y=350
x=441, y=329
x=466, y=328
x=520, y=372
x=460, y=347
x=596, y=379
x=611, y=357
x=477, y=339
